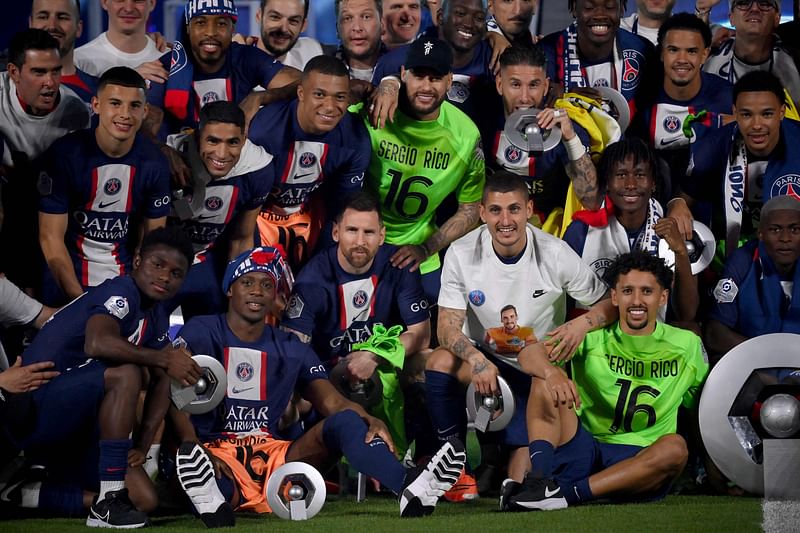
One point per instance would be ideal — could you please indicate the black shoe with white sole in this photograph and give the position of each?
(537, 494)
(196, 475)
(424, 486)
(507, 490)
(116, 511)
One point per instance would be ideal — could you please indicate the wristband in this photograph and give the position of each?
(575, 148)
(393, 78)
(674, 200)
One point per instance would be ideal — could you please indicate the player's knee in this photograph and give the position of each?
(143, 495)
(442, 360)
(672, 453)
(127, 376)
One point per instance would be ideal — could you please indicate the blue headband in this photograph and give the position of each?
(261, 259)
(197, 8)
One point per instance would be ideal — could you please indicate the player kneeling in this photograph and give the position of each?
(632, 376)
(264, 366)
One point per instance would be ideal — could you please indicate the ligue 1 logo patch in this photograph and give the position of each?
(726, 290)
(244, 371)
(307, 160)
(477, 298)
(213, 203)
(631, 66)
(112, 186)
(513, 154)
(787, 185)
(458, 93)
(360, 299)
(672, 123)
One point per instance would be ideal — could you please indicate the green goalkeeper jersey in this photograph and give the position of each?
(416, 164)
(631, 386)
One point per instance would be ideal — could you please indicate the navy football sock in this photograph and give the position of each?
(541, 454)
(345, 432)
(60, 499)
(578, 492)
(447, 405)
(113, 465)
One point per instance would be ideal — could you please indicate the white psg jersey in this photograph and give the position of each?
(31, 134)
(476, 280)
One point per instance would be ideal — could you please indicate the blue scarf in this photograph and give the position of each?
(763, 302)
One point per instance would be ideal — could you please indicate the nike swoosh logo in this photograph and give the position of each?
(536, 294)
(102, 517)
(301, 176)
(206, 217)
(548, 493)
(534, 455)
(101, 205)
(239, 391)
(4, 496)
(446, 430)
(665, 142)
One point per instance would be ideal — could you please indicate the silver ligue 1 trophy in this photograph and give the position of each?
(750, 416)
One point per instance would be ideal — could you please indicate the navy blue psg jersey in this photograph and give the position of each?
(262, 376)
(82, 84)
(303, 162)
(663, 123)
(629, 69)
(244, 188)
(471, 83)
(62, 338)
(101, 195)
(188, 89)
(544, 173)
(338, 309)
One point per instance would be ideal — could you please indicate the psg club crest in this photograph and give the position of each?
(209, 97)
(672, 123)
(600, 266)
(213, 203)
(360, 299)
(244, 371)
(788, 185)
(631, 65)
(513, 154)
(307, 160)
(112, 186)
(477, 298)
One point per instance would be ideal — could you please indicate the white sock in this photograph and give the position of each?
(30, 495)
(151, 464)
(109, 486)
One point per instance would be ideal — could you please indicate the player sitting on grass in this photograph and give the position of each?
(243, 440)
(630, 378)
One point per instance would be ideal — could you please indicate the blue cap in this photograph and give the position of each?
(261, 259)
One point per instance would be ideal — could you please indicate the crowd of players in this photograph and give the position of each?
(300, 206)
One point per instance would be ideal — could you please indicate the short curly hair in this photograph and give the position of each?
(642, 261)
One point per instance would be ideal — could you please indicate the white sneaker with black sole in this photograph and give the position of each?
(538, 494)
(116, 511)
(424, 486)
(196, 475)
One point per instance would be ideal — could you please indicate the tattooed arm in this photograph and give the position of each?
(464, 219)
(583, 174)
(451, 337)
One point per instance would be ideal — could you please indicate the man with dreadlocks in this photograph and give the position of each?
(595, 52)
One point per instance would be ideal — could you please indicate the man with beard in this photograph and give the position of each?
(504, 262)
(243, 441)
(419, 159)
(756, 294)
(610, 432)
(512, 18)
(35, 110)
(401, 19)
(348, 290)
(462, 27)
(93, 184)
(321, 152)
(101, 343)
(213, 68)
(755, 46)
(523, 84)
(595, 52)
(281, 23)
(62, 20)
(691, 102)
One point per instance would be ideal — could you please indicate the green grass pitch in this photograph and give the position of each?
(380, 513)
